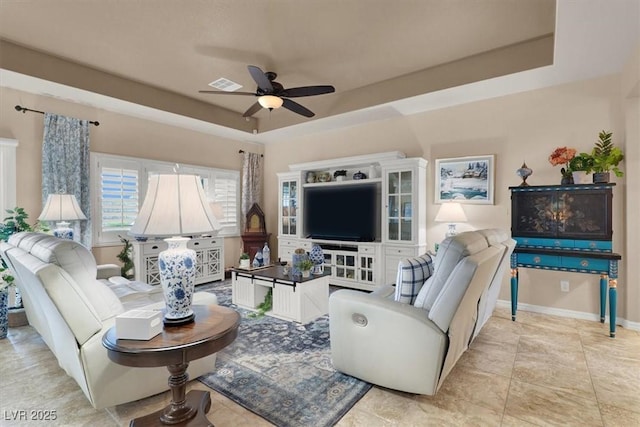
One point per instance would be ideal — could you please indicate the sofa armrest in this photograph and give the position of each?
(376, 338)
(108, 270)
(384, 291)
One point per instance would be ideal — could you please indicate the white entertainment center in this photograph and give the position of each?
(398, 218)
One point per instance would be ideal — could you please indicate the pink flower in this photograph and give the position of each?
(562, 155)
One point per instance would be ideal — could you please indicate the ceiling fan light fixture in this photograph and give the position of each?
(270, 101)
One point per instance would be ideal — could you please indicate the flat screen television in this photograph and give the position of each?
(348, 213)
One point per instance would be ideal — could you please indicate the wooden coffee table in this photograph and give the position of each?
(295, 298)
(215, 327)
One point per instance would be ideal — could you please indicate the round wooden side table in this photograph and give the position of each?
(214, 328)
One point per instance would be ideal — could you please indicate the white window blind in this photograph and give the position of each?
(120, 184)
(119, 198)
(225, 202)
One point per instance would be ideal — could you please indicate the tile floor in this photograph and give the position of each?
(538, 371)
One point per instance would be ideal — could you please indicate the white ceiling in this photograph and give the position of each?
(385, 58)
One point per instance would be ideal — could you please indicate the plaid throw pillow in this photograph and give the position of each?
(412, 273)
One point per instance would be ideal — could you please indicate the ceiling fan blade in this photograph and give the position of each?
(297, 108)
(221, 92)
(260, 78)
(307, 91)
(252, 110)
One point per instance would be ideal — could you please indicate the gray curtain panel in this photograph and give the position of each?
(65, 166)
(251, 183)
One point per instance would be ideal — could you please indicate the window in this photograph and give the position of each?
(118, 198)
(120, 184)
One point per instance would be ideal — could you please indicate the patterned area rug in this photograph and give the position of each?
(282, 370)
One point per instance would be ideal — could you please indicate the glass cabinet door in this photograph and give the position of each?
(400, 206)
(345, 265)
(289, 214)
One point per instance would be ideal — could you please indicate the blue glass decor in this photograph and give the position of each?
(258, 259)
(177, 267)
(316, 255)
(524, 172)
(298, 256)
(266, 254)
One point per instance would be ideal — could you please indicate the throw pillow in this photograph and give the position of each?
(412, 274)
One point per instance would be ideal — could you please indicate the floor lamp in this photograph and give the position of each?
(175, 205)
(62, 208)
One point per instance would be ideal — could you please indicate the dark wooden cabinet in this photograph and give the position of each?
(562, 212)
(565, 228)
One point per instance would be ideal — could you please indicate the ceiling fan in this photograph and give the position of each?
(272, 94)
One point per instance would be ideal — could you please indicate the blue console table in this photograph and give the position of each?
(565, 228)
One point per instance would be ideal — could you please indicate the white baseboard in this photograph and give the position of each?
(568, 313)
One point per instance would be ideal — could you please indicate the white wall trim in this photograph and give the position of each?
(568, 313)
(9, 173)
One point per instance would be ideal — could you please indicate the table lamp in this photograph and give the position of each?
(62, 208)
(175, 205)
(452, 213)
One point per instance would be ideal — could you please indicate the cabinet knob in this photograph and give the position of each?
(154, 247)
(536, 259)
(196, 243)
(584, 263)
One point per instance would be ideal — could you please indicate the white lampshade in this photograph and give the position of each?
(61, 207)
(451, 212)
(175, 205)
(270, 101)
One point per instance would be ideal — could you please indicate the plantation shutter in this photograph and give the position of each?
(119, 198)
(225, 202)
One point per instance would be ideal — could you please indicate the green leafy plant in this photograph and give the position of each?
(582, 162)
(6, 279)
(244, 255)
(15, 223)
(125, 257)
(606, 156)
(305, 265)
(264, 306)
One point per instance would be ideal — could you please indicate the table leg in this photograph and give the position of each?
(514, 293)
(185, 409)
(603, 296)
(613, 303)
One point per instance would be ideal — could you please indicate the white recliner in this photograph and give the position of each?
(409, 338)
(71, 308)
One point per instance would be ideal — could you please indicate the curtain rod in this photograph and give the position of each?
(242, 151)
(24, 110)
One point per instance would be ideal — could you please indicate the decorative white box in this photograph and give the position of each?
(138, 324)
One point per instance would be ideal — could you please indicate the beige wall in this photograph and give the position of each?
(523, 127)
(526, 126)
(117, 134)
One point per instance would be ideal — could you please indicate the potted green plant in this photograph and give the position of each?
(125, 257)
(305, 266)
(606, 158)
(244, 260)
(581, 167)
(16, 222)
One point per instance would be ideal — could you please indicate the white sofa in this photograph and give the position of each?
(72, 303)
(409, 338)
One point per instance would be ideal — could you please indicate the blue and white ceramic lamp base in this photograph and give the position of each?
(177, 265)
(63, 230)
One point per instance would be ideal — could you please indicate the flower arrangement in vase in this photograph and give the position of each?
(562, 156)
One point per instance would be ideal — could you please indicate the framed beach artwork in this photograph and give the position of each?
(465, 179)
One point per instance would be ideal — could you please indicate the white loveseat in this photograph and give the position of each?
(71, 303)
(409, 337)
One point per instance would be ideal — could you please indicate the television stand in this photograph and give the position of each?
(398, 215)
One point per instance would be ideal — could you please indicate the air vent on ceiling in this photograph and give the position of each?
(225, 85)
